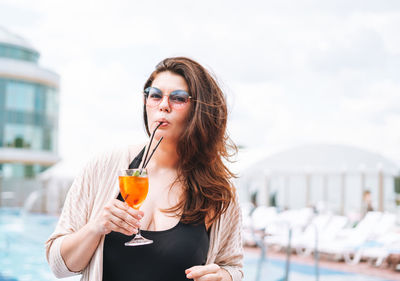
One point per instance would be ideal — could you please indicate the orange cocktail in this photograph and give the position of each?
(134, 186)
(134, 189)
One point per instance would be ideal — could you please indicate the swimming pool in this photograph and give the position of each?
(22, 254)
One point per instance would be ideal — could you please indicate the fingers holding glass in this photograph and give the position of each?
(118, 217)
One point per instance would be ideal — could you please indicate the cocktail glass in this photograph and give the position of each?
(134, 186)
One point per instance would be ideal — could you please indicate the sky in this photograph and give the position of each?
(294, 72)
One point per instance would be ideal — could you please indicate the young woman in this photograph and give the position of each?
(191, 211)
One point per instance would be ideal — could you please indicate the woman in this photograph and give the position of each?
(191, 211)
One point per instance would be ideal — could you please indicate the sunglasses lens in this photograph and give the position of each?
(179, 97)
(154, 96)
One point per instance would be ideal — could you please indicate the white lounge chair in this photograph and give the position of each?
(389, 244)
(262, 216)
(349, 240)
(295, 220)
(326, 233)
(379, 243)
(311, 233)
(255, 224)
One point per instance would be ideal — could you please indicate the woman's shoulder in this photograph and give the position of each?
(115, 155)
(233, 209)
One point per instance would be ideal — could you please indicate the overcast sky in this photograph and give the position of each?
(294, 72)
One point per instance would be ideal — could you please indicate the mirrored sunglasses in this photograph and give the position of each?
(177, 98)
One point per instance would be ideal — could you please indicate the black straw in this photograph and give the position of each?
(147, 152)
(145, 164)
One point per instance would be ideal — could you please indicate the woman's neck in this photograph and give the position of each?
(165, 155)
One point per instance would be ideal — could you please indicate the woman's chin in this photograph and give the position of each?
(159, 135)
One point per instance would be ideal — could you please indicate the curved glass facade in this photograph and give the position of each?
(13, 52)
(28, 116)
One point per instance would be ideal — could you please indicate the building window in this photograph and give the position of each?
(51, 102)
(50, 139)
(13, 52)
(40, 98)
(23, 136)
(14, 170)
(20, 96)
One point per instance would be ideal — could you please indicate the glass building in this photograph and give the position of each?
(28, 110)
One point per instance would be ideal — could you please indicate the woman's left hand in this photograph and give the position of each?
(209, 272)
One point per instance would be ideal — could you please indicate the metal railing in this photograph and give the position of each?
(261, 244)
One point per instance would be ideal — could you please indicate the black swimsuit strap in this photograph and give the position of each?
(138, 159)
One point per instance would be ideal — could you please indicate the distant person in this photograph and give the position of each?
(253, 198)
(191, 211)
(253, 201)
(272, 199)
(367, 203)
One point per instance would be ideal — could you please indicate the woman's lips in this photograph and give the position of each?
(163, 123)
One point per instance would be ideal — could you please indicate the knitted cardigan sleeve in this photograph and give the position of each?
(74, 216)
(230, 254)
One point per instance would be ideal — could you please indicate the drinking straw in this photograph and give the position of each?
(151, 140)
(148, 160)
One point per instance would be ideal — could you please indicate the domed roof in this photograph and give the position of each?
(7, 37)
(325, 158)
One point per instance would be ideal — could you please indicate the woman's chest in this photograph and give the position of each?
(158, 200)
(156, 220)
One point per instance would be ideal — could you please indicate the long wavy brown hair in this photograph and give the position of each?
(203, 145)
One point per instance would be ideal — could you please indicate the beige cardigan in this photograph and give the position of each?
(93, 188)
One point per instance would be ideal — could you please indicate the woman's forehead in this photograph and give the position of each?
(167, 82)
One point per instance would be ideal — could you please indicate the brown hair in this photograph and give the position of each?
(202, 146)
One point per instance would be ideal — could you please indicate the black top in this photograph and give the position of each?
(172, 251)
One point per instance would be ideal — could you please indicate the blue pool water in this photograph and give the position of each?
(22, 254)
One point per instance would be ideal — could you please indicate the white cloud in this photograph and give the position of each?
(99, 114)
(379, 98)
(294, 71)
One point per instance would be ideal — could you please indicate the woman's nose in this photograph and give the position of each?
(164, 104)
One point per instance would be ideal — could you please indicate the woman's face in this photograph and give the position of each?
(174, 119)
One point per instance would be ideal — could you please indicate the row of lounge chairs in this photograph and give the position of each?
(373, 238)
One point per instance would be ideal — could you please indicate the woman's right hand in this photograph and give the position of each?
(119, 217)
(78, 247)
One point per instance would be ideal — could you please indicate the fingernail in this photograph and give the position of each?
(189, 275)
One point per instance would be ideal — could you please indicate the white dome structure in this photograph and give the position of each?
(326, 158)
(310, 174)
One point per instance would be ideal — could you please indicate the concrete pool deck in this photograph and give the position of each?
(361, 268)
